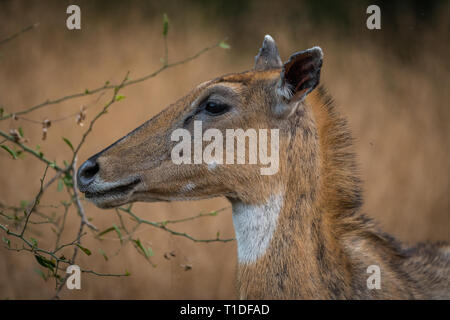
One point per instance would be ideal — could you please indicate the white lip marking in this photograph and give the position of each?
(98, 185)
(188, 187)
(254, 226)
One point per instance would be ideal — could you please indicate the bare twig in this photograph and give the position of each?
(110, 86)
(61, 118)
(31, 151)
(19, 33)
(102, 112)
(35, 202)
(200, 215)
(162, 226)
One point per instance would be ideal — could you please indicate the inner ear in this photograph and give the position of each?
(300, 74)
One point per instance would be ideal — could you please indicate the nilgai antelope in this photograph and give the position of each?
(300, 232)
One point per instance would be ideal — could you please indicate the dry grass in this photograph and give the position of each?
(398, 113)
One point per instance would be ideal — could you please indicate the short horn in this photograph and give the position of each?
(268, 56)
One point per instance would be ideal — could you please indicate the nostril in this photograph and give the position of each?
(87, 173)
(90, 172)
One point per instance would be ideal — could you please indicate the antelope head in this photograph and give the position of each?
(141, 167)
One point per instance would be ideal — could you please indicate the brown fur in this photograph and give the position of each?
(325, 244)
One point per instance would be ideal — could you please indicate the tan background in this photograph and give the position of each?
(391, 84)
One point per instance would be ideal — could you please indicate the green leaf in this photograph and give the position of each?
(7, 241)
(11, 152)
(1, 112)
(40, 273)
(165, 24)
(85, 250)
(69, 143)
(38, 150)
(103, 253)
(86, 91)
(34, 242)
(138, 243)
(21, 131)
(45, 262)
(224, 45)
(60, 185)
(105, 231)
(127, 274)
(20, 154)
(23, 204)
(119, 234)
(120, 97)
(67, 179)
(147, 252)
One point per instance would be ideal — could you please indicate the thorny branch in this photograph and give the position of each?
(53, 260)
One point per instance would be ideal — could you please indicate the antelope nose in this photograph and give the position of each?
(86, 173)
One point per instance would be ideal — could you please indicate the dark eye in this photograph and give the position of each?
(216, 108)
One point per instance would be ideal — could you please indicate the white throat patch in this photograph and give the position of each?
(254, 226)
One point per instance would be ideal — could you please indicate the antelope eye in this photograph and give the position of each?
(215, 108)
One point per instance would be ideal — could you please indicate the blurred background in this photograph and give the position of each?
(391, 84)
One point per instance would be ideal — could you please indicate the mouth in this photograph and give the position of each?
(113, 196)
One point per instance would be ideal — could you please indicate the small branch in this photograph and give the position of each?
(31, 151)
(176, 233)
(53, 179)
(37, 122)
(2, 42)
(35, 203)
(106, 274)
(200, 215)
(73, 243)
(108, 86)
(62, 226)
(31, 246)
(104, 110)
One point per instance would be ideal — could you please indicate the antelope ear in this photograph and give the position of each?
(268, 56)
(299, 76)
